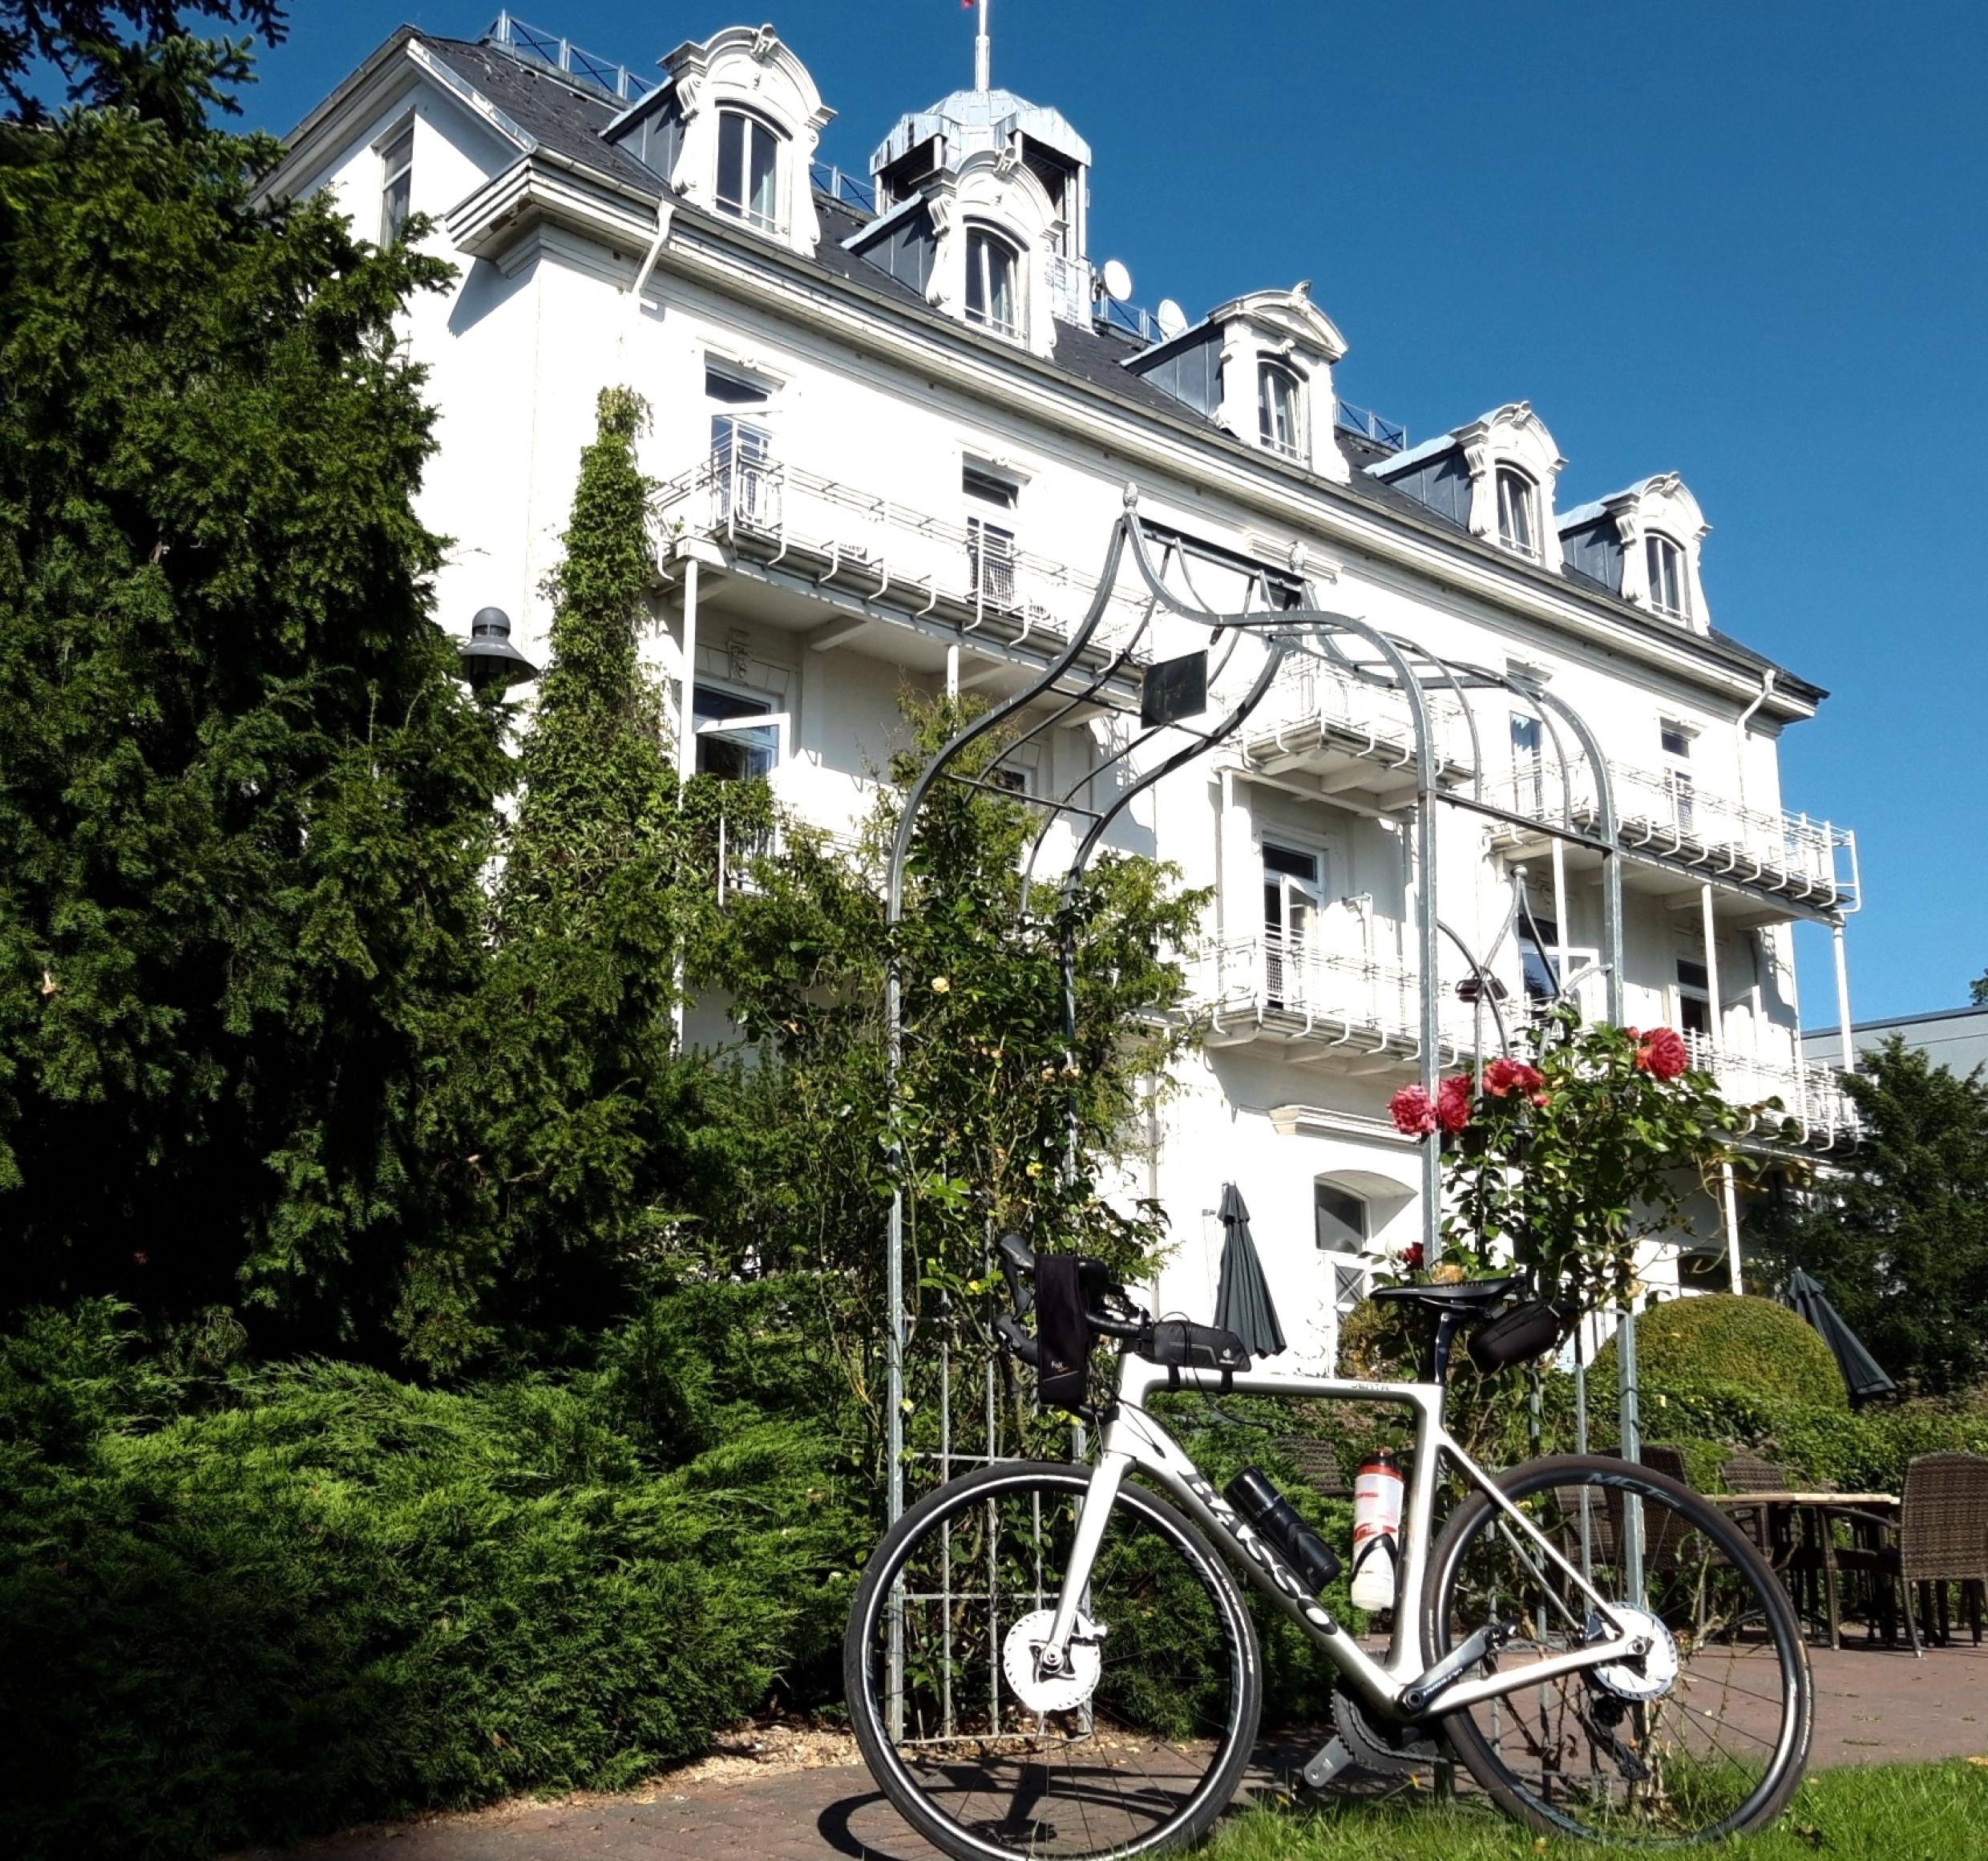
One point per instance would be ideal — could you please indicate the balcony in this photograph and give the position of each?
(1322, 1005)
(1681, 835)
(825, 541)
(1348, 740)
(1812, 1098)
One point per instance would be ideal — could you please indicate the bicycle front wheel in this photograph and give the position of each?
(1704, 1736)
(1138, 1747)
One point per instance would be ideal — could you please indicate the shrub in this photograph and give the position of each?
(338, 1596)
(1723, 1340)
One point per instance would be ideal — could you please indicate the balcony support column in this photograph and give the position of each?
(1715, 1027)
(1843, 998)
(687, 698)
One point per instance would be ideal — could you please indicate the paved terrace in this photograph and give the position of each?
(808, 1798)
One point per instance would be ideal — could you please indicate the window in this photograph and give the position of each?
(1529, 768)
(990, 488)
(1291, 893)
(1694, 1001)
(993, 282)
(1518, 505)
(748, 170)
(1340, 1219)
(1539, 957)
(742, 451)
(733, 741)
(1670, 592)
(1277, 409)
(1676, 741)
(1674, 738)
(397, 184)
(991, 563)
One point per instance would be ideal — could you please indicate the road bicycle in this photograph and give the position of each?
(1051, 1659)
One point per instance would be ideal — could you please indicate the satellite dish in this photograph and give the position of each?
(1171, 318)
(1117, 280)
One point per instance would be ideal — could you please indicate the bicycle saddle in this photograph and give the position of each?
(1466, 1299)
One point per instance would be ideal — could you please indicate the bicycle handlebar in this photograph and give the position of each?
(1018, 1264)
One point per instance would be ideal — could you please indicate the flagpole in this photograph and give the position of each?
(983, 54)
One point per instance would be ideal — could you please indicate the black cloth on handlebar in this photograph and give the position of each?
(1062, 1338)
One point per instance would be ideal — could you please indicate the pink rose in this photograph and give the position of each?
(1662, 1053)
(1502, 1077)
(1413, 1113)
(1452, 1102)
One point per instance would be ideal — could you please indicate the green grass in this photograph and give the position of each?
(1916, 1812)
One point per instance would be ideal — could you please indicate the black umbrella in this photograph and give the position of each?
(1801, 1293)
(1242, 1302)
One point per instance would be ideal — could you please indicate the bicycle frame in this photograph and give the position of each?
(1398, 1685)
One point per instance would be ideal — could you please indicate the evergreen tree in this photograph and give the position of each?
(243, 803)
(1900, 1240)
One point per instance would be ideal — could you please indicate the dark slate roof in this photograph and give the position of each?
(567, 120)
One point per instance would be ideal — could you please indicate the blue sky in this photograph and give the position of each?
(1746, 243)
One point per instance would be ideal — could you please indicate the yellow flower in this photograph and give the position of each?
(940, 985)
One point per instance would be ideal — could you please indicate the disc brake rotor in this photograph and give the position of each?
(1072, 1684)
(1649, 1677)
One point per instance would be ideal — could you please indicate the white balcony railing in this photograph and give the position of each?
(1812, 1098)
(1668, 814)
(1317, 712)
(1268, 983)
(886, 552)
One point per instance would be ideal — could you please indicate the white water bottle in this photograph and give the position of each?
(1377, 1490)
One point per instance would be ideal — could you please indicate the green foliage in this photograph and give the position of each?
(1756, 1344)
(1898, 1235)
(164, 75)
(245, 804)
(331, 1595)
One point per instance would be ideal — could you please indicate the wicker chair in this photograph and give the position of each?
(1941, 1537)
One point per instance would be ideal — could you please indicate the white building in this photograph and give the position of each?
(897, 421)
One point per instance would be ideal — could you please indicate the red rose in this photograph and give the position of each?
(1502, 1077)
(1411, 1257)
(1662, 1053)
(1452, 1102)
(1413, 1113)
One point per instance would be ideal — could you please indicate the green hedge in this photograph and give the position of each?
(1727, 1341)
(332, 1596)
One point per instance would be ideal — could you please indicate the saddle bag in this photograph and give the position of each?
(1527, 1329)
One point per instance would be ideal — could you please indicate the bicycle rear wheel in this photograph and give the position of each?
(1139, 1752)
(1704, 1737)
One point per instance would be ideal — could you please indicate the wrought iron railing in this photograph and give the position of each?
(1811, 1097)
(1669, 813)
(831, 532)
(530, 45)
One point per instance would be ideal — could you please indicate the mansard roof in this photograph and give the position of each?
(543, 111)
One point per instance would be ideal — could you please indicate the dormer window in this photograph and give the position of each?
(1279, 409)
(1669, 587)
(748, 170)
(993, 282)
(1519, 512)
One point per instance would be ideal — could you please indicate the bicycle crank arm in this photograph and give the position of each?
(1444, 1689)
(1460, 1660)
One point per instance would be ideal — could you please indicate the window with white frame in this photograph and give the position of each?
(1529, 768)
(990, 539)
(993, 282)
(741, 447)
(748, 169)
(1694, 998)
(1518, 512)
(1675, 740)
(1280, 410)
(1293, 894)
(397, 184)
(1539, 957)
(739, 735)
(1340, 1219)
(1669, 583)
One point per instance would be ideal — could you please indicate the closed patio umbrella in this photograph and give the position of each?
(1242, 1302)
(1801, 1293)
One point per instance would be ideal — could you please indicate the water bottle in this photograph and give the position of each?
(1377, 1490)
(1274, 1518)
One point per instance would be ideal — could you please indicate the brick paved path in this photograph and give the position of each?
(1871, 1706)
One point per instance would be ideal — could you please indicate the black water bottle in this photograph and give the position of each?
(1272, 1514)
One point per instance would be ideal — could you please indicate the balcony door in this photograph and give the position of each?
(1293, 893)
(742, 450)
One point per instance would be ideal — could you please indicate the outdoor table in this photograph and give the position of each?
(1812, 1512)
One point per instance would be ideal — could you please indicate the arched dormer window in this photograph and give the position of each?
(994, 296)
(1518, 512)
(1280, 409)
(1669, 576)
(750, 151)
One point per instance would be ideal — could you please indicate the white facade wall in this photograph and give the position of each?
(890, 412)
